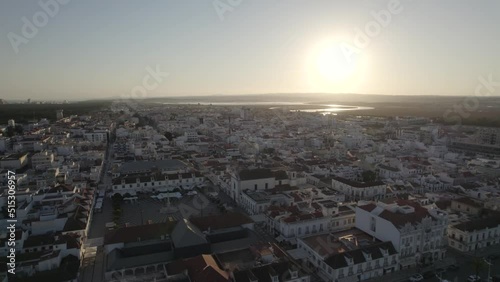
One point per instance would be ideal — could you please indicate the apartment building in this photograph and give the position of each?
(251, 179)
(355, 190)
(349, 255)
(294, 222)
(42, 160)
(417, 233)
(474, 234)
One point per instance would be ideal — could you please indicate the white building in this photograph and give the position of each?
(156, 183)
(475, 234)
(42, 160)
(350, 255)
(96, 136)
(255, 179)
(355, 190)
(257, 202)
(291, 223)
(418, 234)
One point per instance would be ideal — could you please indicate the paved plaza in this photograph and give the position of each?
(147, 209)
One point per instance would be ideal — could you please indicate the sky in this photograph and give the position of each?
(152, 48)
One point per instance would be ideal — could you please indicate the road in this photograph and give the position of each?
(463, 261)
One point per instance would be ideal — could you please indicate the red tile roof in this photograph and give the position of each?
(368, 207)
(400, 219)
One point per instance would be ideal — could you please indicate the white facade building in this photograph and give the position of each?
(42, 160)
(359, 190)
(418, 234)
(349, 256)
(255, 179)
(476, 234)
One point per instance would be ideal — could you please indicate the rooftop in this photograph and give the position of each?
(258, 173)
(227, 220)
(357, 184)
(169, 164)
(479, 224)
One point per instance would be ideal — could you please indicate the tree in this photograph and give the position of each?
(478, 264)
(268, 151)
(11, 131)
(369, 176)
(169, 136)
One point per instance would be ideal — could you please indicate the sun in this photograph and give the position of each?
(330, 69)
(331, 64)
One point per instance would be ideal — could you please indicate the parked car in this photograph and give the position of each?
(416, 277)
(473, 278)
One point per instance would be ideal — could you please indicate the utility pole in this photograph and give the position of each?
(489, 269)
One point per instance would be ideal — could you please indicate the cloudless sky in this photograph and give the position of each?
(98, 48)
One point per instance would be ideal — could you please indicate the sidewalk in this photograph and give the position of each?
(495, 249)
(405, 274)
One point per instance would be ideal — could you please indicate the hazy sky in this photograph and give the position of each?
(91, 48)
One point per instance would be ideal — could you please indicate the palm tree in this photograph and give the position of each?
(478, 264)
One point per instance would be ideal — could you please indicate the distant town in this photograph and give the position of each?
(220, 193)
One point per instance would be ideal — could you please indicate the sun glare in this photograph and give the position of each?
(331, 64)
(330, 70)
